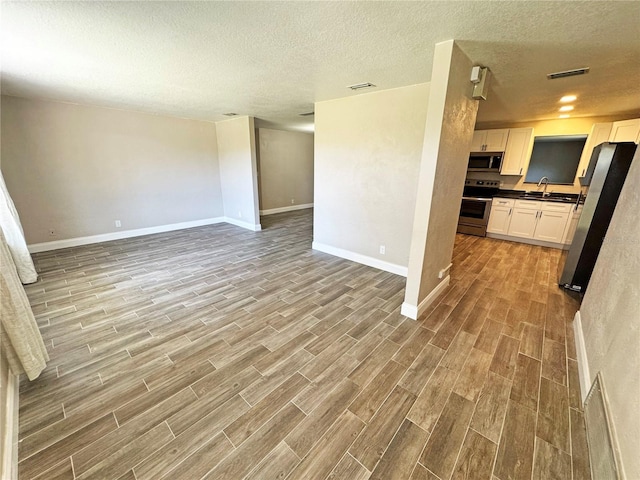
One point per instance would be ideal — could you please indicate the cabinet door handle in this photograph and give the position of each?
(510, 211)
(520, 171)
(583, 172)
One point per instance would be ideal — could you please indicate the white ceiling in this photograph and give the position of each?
(273, 60)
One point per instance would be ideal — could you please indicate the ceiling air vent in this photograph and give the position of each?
(308, 114)
(568, 73)
(230, 114)
(358, 86)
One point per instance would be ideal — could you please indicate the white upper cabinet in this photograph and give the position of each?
(518, 151)
(625, 131)
(490, 140)
(600, 133)
(479, 137)
(497, 140)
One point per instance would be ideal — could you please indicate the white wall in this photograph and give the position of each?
(285, 166)
(367, 157)
(238, 171)
(449, 129)
(610, 314)
(76, 169)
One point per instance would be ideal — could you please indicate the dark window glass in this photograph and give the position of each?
(556, 158)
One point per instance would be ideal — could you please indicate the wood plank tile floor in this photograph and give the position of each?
(219, 353)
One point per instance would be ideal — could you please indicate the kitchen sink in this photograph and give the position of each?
(552, 198)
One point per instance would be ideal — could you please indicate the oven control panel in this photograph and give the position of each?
(482, 183)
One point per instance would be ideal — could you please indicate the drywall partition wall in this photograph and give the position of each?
(9, 388)
(74, 170)
(366, 162)
(610, 317)
(285, 166)
(449, 129)
(238, 171)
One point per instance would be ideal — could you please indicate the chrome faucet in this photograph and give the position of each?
(546, 184)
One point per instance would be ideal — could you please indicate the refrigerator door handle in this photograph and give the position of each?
(575, 208)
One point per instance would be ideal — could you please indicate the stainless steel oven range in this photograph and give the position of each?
(476, 206)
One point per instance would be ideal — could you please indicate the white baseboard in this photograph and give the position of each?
(359, 258)
(239, 223)
(292, 208)
(106, 237)
(413, 311)
(529, 241)
(581, 353)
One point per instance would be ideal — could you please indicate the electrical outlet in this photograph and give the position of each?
(118, 223)
(293, 201)
(382, 249)
(52, 232)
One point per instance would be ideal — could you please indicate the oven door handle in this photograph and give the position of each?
(477, 199)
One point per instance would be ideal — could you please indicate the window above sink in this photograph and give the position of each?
(555, 157)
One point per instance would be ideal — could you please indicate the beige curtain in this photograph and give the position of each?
(14, 236)
(20, 339)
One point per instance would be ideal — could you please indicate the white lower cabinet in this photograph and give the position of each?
(523, 223)
(530, 219)
(550, 226)
(500, 215)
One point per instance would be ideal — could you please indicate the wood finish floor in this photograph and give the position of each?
(220, 353)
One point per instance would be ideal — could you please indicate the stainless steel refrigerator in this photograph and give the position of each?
(608, 168)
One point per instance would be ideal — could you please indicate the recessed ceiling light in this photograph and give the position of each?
(568, 98)
(566, 108)
(358, 86)
(564, 115)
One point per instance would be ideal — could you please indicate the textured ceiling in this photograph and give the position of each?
(273, 60)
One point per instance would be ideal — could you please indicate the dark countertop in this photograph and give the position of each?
(553, 197)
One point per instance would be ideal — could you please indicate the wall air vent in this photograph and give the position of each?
(568, 73)
(308, 114)
(230, 114)
(358, 86)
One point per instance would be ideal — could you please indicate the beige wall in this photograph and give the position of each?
(568, 126)
(76, 169)
(449, 129)
(238, 171)
(285, 165)
(367, 157)
(610, 314)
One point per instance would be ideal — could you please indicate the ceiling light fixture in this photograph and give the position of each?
(358, 86)
(566, 108)
(564, 115)
(568, 98)
(568, 73)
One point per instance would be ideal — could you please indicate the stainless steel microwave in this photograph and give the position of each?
(485, 162)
